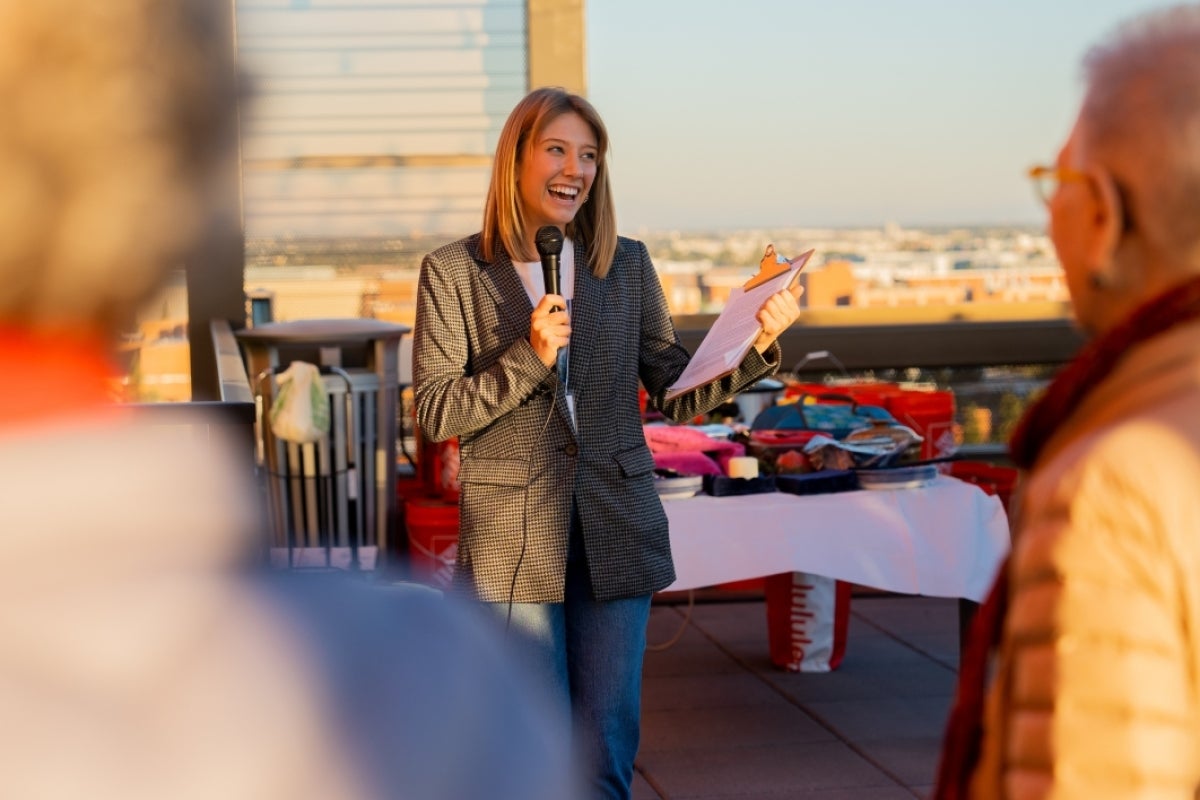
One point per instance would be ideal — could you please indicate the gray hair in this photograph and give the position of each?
(112, 111)
(1141, 116)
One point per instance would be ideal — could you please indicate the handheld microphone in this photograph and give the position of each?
(549, 241)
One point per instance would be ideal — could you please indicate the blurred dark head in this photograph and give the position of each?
(114, 114)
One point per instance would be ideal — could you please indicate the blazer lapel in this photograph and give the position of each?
(501, 281)
(586, 310)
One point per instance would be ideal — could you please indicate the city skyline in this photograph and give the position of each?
(887, 267)
(793, 113)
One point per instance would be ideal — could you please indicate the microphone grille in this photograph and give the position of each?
(549, 240)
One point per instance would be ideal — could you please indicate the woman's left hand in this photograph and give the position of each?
(777, 315)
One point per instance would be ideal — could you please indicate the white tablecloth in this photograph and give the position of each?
(942, 540)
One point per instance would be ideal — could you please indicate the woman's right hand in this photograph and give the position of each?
(549, 328)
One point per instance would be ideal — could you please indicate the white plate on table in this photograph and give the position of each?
(912, 477)
(679, 487)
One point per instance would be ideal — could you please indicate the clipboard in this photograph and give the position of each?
(730, 338)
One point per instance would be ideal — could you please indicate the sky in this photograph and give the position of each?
(798, 113)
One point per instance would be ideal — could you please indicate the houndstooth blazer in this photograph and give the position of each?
(476, 376)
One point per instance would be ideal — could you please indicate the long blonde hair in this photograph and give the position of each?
(504, 223)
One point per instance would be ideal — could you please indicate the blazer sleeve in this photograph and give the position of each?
(457, 389)
(663, 357)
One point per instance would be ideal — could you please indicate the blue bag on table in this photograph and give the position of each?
(832, 414)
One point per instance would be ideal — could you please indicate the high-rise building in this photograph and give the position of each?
(379, 119)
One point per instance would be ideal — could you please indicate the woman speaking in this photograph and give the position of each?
(561, 528)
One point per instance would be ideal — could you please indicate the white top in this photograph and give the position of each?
(530, 273)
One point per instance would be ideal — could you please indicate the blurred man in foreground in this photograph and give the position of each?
(137, 659)
(1096, 617)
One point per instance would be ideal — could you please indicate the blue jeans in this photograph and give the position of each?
(590, 653)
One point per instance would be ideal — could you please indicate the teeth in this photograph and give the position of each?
(569, 191)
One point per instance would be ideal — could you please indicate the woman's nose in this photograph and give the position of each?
(571, 164)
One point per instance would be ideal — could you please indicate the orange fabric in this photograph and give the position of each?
(51, 375)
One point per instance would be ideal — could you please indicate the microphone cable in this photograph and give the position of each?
(549, 244)
(512, 586)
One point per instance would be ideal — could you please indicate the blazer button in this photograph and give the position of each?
(571, 449)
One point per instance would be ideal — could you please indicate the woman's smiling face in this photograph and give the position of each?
(556, 171)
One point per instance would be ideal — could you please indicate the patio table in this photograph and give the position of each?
(945, 539)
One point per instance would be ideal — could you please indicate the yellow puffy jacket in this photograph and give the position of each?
(1097, 685)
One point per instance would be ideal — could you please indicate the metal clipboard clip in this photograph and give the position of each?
(772, 266)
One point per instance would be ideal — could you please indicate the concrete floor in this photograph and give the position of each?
(719, 721)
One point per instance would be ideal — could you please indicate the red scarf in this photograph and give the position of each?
(50, 375)
(963, 742)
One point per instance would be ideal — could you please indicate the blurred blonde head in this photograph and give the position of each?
(112, 112)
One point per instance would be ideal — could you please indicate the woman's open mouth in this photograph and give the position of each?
(566, 193)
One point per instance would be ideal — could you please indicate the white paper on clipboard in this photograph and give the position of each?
(732, 335)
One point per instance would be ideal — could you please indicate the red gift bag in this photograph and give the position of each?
(432, 526)
(807, 620)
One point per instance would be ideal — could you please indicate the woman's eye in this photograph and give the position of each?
(588, 156)
(554, 148)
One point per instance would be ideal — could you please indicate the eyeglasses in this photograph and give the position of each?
(1046, 180)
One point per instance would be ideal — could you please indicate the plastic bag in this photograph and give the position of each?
(300, 412)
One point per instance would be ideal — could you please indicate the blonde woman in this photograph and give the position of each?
(562, 531)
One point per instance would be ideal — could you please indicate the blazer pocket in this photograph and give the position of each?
(637, 461)
(494, 472)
